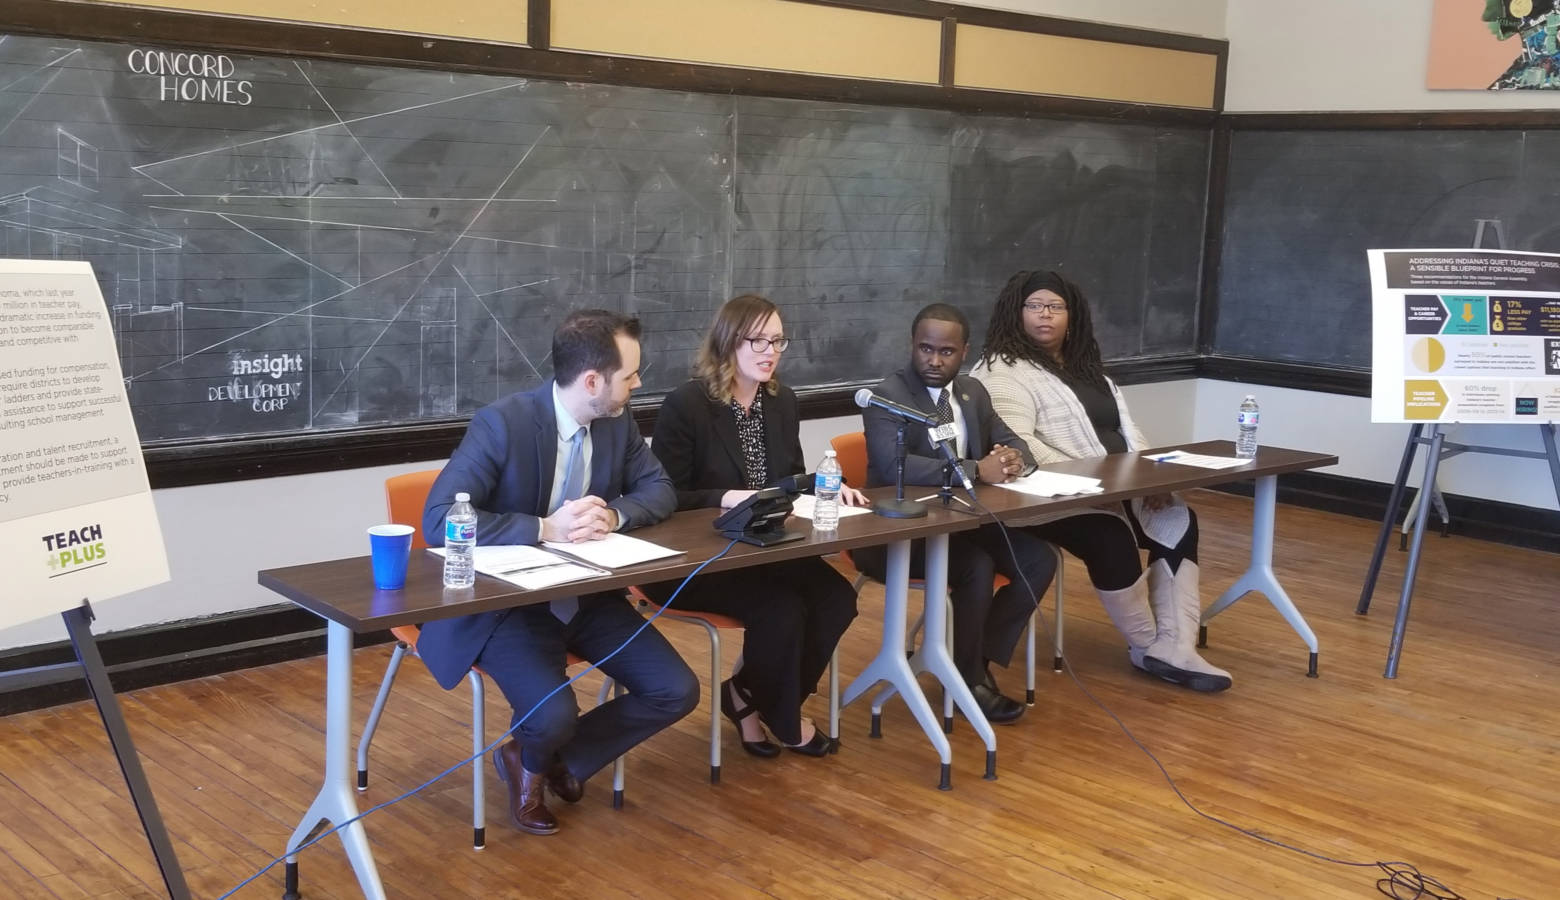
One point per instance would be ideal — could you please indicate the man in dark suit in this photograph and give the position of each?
(986, 627)
(564, 462)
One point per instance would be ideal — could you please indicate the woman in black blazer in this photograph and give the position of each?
(731, 430)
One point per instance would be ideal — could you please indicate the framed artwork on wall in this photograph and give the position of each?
(1494, 45)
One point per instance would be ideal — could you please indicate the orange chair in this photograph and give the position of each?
(851, 450)
(712, 624)
(405, 497)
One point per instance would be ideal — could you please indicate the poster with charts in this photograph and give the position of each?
(1465, 336)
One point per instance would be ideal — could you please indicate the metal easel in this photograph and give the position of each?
(1440, 449)
(1498, 242)
(78, 624)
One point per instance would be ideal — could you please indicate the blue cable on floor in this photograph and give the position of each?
(471, 759)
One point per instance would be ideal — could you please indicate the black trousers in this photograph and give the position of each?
(1109, 547)
(525, 657)
(986, 625)
(793, 613)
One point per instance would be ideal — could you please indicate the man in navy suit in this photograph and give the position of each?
(564, 462)
(986, 627)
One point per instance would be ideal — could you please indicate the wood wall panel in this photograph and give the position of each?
(492, 21)
(755, 34)
(997, 59)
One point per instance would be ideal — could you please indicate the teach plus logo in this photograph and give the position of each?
(74, 550)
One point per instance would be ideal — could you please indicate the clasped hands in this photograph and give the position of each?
(1001, 464)
(585, 519)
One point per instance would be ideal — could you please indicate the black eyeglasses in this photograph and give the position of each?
(1054, 309)
(762, 345)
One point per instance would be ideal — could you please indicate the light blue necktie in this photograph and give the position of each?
(573, 489)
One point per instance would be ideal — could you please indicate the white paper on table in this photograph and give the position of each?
(527, 566)
(614, 551)
(1202, 461)
(802, 507)
(1041, 483)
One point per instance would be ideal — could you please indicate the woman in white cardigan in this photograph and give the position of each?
(1042, 367)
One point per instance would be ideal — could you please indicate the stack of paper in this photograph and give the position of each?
(1181, 457)
(528, 567)
(614, 551)
(1041, 483)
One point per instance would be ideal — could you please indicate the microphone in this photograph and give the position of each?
(940, 433)
(796, 484)
(865, 398)
(953, 461)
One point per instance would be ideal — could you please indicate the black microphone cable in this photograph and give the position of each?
(1400, 881)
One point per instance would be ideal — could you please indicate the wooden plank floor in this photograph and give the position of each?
(1454, 766)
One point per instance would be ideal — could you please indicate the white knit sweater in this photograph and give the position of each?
(1044, 411)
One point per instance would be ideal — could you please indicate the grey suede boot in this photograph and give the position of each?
(1128, 608)
(1177, 607)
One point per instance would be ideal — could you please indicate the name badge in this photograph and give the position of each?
(944, 432)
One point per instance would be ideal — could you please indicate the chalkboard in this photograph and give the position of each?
(1118, 208)
(1302, 207)
(291, 246)
(847, 207)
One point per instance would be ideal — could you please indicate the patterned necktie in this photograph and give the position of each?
(945, 412)
(564, 608)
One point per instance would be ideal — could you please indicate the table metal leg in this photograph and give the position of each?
(1259, 575)
(890, 664)
(337, 802)
(934, 654)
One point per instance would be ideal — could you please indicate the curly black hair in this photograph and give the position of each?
(1007, 340)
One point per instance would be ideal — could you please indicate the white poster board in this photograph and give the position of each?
(76, 515)
(1465, 336)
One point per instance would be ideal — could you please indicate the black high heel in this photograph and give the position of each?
(818, 746)
(766, 748)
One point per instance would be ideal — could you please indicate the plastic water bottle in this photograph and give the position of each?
(826, 493)
(1246, 441)
(460, 543)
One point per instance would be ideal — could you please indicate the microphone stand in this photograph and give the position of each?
(946, 494)
(899, 507)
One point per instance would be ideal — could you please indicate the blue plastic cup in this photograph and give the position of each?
(390, 547)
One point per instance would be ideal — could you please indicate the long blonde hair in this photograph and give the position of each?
(716, 363)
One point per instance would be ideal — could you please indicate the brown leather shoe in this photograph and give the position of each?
(527, 792)
(564, 784)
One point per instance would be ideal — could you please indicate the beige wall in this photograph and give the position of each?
(1346, 55)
